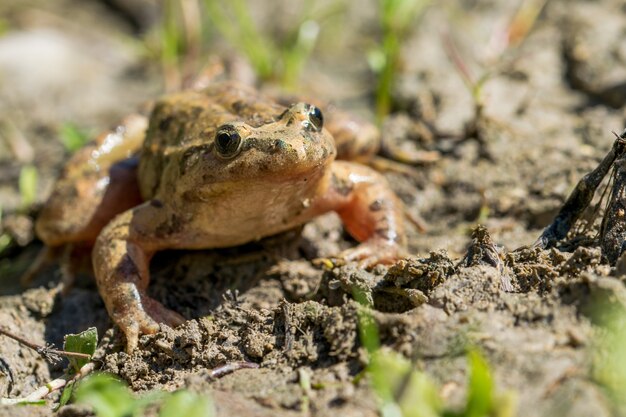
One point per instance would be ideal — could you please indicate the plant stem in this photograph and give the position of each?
(46, 351)
(54, 385)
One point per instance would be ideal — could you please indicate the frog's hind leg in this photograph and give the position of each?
(355, 138)
(99, 182)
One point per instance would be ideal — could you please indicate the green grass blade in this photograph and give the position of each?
(480, 389)
(72, 137)
(28, 180)
(185, 403)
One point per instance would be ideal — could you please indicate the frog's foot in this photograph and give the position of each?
(373, 252)
(370, 212)
(142, 316)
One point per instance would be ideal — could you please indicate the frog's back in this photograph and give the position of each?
(189, 119)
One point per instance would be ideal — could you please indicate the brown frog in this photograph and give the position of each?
(213, 168)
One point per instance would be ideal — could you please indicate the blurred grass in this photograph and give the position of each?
(72, 137)
(188, 30)
(181, 36)
(27, 182)
(233, 21)
(110, 397)
(274, 58)
(4, 26)
(396, 20)
(504, 43)
(5, 239)
(608, 350)
(189, 27)
(405, 391)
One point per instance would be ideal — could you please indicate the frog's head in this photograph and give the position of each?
(294, 144)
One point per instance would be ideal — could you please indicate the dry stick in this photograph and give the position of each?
(48, 352)
(231, 367)
(41, 392)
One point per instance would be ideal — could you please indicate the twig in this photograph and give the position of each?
(231, 367)
(47, 352)
(55, 385)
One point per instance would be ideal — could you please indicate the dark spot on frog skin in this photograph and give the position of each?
(376, 205)
(280, 116)
(309, 137)
(170, 227)
(266, 146)
(192, 155)
(165, 123)
(325, 153)
(180, 135)
(126, 267)
(196, 112)
(156, 203)
(238, 106)
(341, 186)
(264, 166)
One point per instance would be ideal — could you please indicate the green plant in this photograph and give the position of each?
(28, 181)
(404, 391)
(84, 342)
(110, 397)
(5, 239)
(78, 348)
(396, 19)
(181, 41)
(609, 350)
(272, 57)
(5, 26)
(72, 137)
(503, 44)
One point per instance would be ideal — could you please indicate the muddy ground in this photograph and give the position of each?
(549, 108)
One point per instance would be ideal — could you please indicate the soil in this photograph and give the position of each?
(549, 108)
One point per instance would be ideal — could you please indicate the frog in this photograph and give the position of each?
(210, 168)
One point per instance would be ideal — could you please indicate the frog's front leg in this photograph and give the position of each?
(121, 258)
(369, 210)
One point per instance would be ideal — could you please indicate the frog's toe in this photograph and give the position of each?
(145, 319)
(135, 325)
(131, 331)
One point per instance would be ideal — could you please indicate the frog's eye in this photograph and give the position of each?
(227, 142)
(316, 117)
